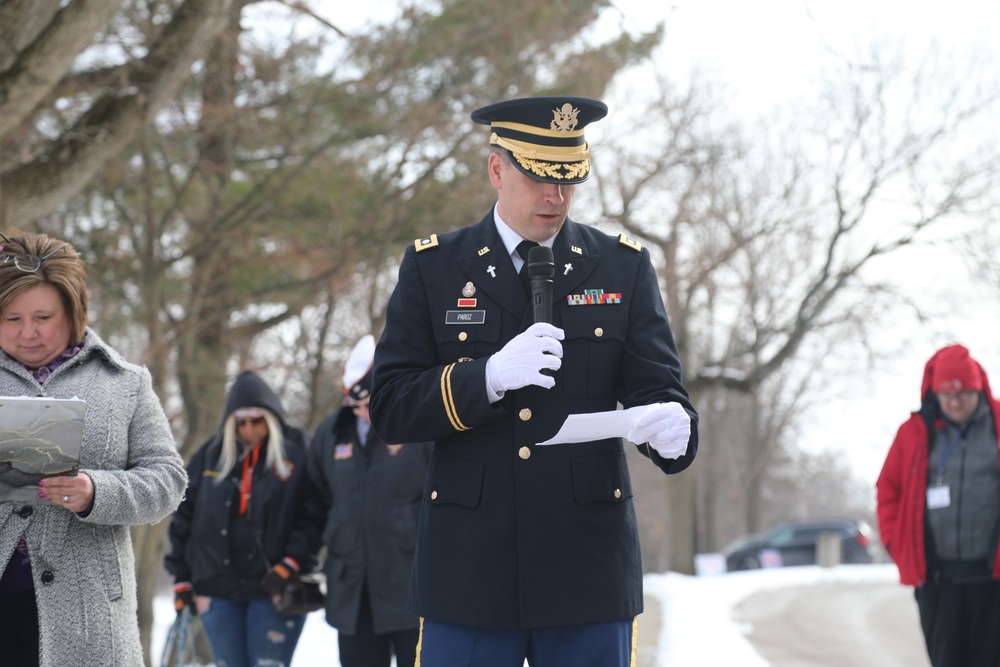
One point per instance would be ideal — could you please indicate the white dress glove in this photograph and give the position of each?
(520, 362)
(666, 427)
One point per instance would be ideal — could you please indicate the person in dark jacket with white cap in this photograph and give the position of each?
(372, 490)
(249, 524)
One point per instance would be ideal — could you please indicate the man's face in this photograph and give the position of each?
(361, 410)
(533, 209)
(958, 406)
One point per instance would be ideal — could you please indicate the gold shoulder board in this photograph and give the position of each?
(426, 242)
(626, 241)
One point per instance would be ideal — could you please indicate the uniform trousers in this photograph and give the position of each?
(960, 622)
(595, 645)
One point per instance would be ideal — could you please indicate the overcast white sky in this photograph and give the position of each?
(768, 49)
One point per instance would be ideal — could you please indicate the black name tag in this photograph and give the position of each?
(465, 317)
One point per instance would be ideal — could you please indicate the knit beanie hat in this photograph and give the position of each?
(955, 370)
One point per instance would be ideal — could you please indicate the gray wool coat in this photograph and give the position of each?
(84, 567)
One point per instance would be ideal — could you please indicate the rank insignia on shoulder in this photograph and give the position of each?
(626, 241)
(426, 242)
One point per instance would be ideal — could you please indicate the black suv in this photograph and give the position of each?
(795, 544)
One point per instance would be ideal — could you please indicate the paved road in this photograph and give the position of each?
(836, 625)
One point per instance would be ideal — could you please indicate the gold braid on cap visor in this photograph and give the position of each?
(562, 166)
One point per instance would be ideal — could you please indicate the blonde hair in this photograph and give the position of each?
(230, 446)
(62, 269)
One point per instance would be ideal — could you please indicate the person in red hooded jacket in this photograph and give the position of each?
(938, 505)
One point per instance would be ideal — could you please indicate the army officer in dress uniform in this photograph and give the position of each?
(529, 551)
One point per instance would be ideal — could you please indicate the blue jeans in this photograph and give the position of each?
(247, 633)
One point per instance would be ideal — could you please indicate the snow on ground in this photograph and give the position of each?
(696, 613)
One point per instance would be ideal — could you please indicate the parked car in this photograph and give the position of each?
(795, 544)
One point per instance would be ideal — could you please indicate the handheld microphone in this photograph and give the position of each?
(541, 270)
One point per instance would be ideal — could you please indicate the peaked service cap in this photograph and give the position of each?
(544, 135)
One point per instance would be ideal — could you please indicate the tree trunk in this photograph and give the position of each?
(683, 521)
(148, 543)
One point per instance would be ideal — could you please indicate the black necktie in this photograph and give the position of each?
(522, 249)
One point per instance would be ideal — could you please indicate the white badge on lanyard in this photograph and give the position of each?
(938, 497)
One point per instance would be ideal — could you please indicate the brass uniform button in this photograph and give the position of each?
(598, 332)
(463, 336)
(524, 453)
(434, 495)
(618, 494)
(524, 414)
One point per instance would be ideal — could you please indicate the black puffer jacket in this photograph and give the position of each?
(212, 544)
(373, 494)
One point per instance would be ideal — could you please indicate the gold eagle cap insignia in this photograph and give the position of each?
(564, 119)
(426, 243)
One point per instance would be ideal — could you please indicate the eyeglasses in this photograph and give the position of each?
(250, 420)
(949, 396)
(24, 262)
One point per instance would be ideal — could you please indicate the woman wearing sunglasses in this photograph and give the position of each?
(68, 588)
(249, 524)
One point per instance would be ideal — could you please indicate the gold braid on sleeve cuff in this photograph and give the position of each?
(448, 398)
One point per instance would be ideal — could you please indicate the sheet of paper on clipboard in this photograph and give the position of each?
(39, 437)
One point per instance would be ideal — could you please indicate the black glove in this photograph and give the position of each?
(184, 597)
(278, 578)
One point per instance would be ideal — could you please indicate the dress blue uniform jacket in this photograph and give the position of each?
(512, 534)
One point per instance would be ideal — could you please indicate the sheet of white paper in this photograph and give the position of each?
(39, 437)
(596, 426)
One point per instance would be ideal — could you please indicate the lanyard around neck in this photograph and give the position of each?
(246, 480)
(947, 446)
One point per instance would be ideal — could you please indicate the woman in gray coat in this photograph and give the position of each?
(68, 589)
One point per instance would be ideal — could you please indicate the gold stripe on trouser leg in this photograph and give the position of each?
(420, 642)
(635, 640)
